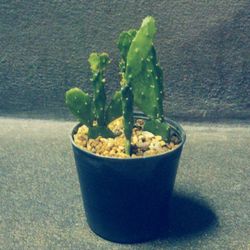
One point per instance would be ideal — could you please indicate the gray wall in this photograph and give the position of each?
(203, 47)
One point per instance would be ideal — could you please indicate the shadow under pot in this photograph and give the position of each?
(127, 200)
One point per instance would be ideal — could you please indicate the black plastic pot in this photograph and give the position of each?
(127, 200)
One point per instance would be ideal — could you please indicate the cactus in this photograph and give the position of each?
(147, 88)
(79, 104)
(147, 74)
(146, 77)
(159, 128)
(128, 118)
(140, 71)
(98, 63)
(135, 47)
(124, 42)
(140, 46)
(88, 109)
(141, 83)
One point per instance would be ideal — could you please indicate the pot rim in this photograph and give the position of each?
(175, 125)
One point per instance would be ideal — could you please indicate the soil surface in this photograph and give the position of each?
(143, 143)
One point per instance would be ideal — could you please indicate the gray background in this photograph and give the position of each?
(203, 47)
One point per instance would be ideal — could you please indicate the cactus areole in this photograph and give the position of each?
(141, 85)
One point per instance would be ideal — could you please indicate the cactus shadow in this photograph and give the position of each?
(188, 217)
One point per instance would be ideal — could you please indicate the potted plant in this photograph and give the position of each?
(126, 161)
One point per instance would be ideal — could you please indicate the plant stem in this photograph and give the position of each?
(127, 147)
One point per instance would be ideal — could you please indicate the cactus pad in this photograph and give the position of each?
(79, 104)
(148, 88)
(128, 118)
(140, 47)
(143, 69)
(124, 42)
(158, 128)
(98, 63)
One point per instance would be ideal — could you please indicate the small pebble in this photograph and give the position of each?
(144, 143)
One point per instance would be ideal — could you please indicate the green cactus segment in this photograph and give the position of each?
(142, 68)
(140, 47)
(94, 132)
(79, 104)
(124, 42)
(128, 118)
(99, 100)
(134, 47)
(148, 88)
(159, 87)
(98, 63)
(114, 110)
(158, 128)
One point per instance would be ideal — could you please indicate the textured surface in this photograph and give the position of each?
(41, 206)
(203, 47)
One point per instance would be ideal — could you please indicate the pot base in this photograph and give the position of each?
(127, 230)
